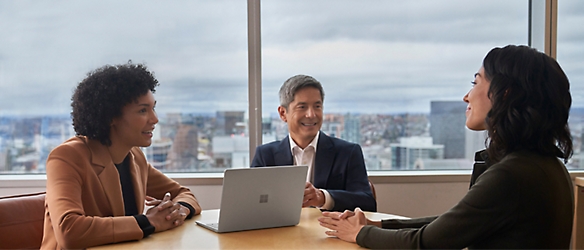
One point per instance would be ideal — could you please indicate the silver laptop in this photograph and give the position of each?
(255, 198)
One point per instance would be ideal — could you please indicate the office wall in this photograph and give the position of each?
(407, 199)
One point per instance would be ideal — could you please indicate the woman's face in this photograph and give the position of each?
(478, 101)
(134, 127)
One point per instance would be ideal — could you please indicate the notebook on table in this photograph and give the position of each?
(256, 198)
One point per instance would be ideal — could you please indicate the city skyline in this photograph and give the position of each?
(193, 143)
(221, 141)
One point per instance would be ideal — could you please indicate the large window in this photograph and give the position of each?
(394, 72)
(570, 38)
(197, 49)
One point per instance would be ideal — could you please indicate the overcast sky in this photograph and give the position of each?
(371, 56)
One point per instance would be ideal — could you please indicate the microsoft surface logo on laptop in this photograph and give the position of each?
(263, 198)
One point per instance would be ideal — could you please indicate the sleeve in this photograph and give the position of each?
(72, 227)
(357, 192)
(144, 223)
(329, 202)
(484, 210)
(191, 209)
(407, 223)
(377, 238)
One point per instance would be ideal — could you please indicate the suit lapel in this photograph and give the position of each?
(283, 154)
(108, 176)
(323, 162)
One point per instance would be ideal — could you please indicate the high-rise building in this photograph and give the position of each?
(231, 151)
(332, 125)
(158, 153)
(352, 129)
(410, 152)
(185, 147)
(266, 125)
(229, 122)
(475, 141)
(447, 127)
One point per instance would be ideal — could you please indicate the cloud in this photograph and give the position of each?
(374, 56)
(443, 21)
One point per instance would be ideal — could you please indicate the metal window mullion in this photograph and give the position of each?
(551, 27)
(254, 76)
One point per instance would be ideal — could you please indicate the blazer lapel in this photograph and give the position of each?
(108, 176)
(323, 162)
(283, 154)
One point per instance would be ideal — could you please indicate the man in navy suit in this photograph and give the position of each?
(337, 178)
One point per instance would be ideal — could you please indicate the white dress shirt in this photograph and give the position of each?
(305, 157)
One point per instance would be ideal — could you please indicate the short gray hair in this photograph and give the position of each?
(295, 83)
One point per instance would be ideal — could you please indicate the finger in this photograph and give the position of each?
(346, 214)
(166, 197)
(165, 203)
(310, 194)
(359, 212)
(307, 198)
(309, 203)
(309, 188)
(177, 211)
(174, 214)
(181, 219)
(328, 221)
(331, 233)
(327, 225)
(152, 203)
(331, 214)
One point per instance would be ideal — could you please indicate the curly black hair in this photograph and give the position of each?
(531, 101)
(100, 97)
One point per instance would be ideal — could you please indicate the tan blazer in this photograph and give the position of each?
(84, 205)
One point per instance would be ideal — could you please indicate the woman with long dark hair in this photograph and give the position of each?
(520, 195)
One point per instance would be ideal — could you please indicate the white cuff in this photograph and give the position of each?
(329, 203)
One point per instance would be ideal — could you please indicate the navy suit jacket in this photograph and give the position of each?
(338, 167)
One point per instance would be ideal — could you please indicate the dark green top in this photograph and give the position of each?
(523, 201)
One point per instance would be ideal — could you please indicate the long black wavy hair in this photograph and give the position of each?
(531, 101)
(100, 97)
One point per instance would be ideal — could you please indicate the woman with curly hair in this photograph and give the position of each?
(520, 195)
(99, 181)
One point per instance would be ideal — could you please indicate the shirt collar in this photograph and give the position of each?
(313, 143)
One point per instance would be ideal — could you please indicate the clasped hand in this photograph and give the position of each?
(165, 214)
(345, 225)
(312, 196)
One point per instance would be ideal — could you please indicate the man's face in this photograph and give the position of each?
(303, 115)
